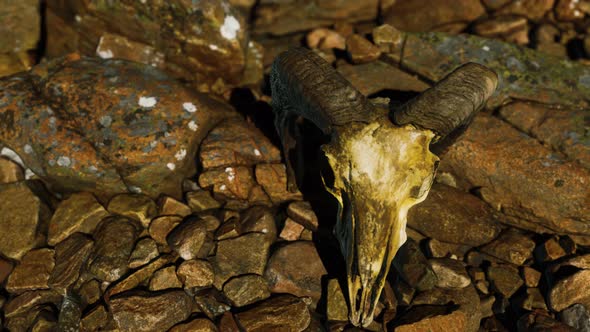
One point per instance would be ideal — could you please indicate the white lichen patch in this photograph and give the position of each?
(10, 154)
(105, 54)
(193, 126)
(213, 47)
(180, 154)
(230, 27)
(189, 107)
(147, 101)
(28, 149)
(171, 166)
(64, 161)
(257, 153)
(486, 48)
(231, 174)
(134, 189)
(153, 144)
(29, 174)
(105, 121)
(222, 187)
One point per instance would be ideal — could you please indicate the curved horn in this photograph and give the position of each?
(305, 84)
(452, 102)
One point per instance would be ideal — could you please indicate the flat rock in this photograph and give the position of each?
(95, 319)
(245, 254)
(23, 214)
(195, 325)
(450, 273)
(511, 246)
(571, 290)
(336, 305)
(237, 143)
(549, 250)
(195, 273)
(439, 249)
(450, 215)
(20, 28)
(27, 300)
(302, 213)
(281, 18)
(531, 9)
(535, 188)
(273, 179)
(203, 50)
(246, 289)
(211, 302)
(201, 200)
(70, 256)
(360, 50)
(161, 226)
(376, 76)
(540, 320)
(297, 269)
(90, 291)
(413, 267)
(134, 206)
(137, 140)
(144, 311)
(577, 316)
(80, 212)
(282, 312)
(229, 182)
(531, 276)
(190, 239)
(424, 15)
(10, 171)
(33, 272)
(170, 206)
(145, 250)
(165, 278)
(259, 219)
(114, 241)
(505, 279)
(291, 230)
(533, 300)
(454, 321)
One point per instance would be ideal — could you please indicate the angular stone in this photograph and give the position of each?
(568, 10)
(562, 129)
(95, 319)
(281, 18)
(70, 314)
(505, 279)
(10, 171)
(511, 246)
(549, 250)
(230, 182)
(27, 300)
(413, 267)
(454, 321)
(20, 26)
(376, 76)
(336, 307)
(450, 273)
(133, 206)
(571, 290)
(577, 316)
(531, 9)
(325, 39)
(138, 277)
(535, 188)
(211, 302)
(160, 227)
(81, 212)
(246, 289)
(512, 29)
(70, 256)
(118, 46)
(228, 230)
(246, 254)
(291, 230)
(195, 325)
(164, 278)
(201, 200)
(190, 239)
(360, 50)
(144, 311)
(273, 179)
(423, 15)
(282, 312)
(387, 38)
(438, 249)
(147, 135)
(582, 262)
(228, 323)
(450, 215)
(114, 241)
(33, 272)
(195, 273)
(540, 320)
(6, 267)
(170, 206)
(533, 300)
(212, 223)
(23, 214)
(145, 250)
(297, 269)
(237, 143)
(259, 219)
(302, 213)
(531, 276)
(90, 292)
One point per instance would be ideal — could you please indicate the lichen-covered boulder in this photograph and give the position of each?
(105, 126)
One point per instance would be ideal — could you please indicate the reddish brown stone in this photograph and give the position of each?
(273, 179)
(297, 269)
(139, 276)
(10, 171)
(195, 325)
(455, 321)
(535, 188)
(33, 272)
(291, 230)
(509, 28)
(170, 206)
(230, 182)
(160, 227)
(195, 273)
(323, 38)
(360, 50)
(568, 10)
(283, 312)
(511, 246)
(531, 9)
(424, 15)
(531, 276)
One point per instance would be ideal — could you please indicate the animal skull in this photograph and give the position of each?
(379, 169)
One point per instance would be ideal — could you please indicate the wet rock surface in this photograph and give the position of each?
(164, 209)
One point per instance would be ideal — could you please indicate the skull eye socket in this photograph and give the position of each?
(326, 173)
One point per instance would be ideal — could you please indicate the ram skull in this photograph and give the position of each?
(380, 167)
